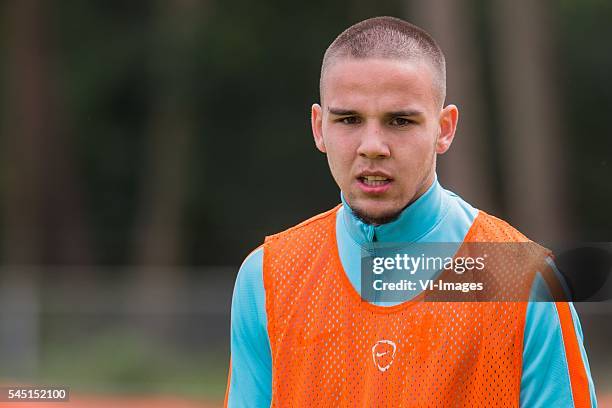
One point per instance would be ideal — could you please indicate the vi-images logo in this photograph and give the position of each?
(383, 353)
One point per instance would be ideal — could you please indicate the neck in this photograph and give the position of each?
(417, 219)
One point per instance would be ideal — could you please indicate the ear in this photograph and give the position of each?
(316, 119)
(448, 125)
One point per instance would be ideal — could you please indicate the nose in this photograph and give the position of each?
(373, 144)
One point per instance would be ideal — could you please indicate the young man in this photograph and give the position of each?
(301, 334)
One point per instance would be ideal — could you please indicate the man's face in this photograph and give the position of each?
(381, 126)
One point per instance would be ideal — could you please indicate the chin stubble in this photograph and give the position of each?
(372, 220)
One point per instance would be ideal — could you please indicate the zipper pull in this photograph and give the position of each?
(371, 234)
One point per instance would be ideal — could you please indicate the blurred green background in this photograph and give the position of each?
(148, 146)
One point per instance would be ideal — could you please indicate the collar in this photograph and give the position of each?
(415, 221)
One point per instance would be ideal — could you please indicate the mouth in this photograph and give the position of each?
(374, 183)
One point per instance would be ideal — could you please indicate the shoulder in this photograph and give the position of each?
(248, 312)
(327, 216)
(484, 226)
(487, 227)
(249, 274)
(249, 294)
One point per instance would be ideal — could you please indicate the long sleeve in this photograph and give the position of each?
(556, 371)
(250, 378)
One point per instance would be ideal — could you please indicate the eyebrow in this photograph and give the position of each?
(348, 112)
(410, 112)
(341, 112)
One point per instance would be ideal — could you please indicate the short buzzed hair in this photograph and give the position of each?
(388, 37)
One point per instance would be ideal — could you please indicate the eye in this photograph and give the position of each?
(399, 121)
(350, 120)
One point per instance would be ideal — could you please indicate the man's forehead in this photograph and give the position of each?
(390, 83)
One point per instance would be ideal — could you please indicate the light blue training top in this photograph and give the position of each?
(438, 215)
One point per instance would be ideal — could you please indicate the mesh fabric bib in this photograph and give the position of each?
(330, 348)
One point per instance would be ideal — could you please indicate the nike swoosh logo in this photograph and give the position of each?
(381, 354)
